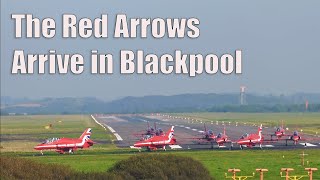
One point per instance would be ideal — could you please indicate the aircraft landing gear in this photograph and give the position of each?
(231, 146)
(260, 146)
(241, 147)
(41, 152)
(70, 151)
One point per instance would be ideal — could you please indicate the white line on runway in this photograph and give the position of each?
(110, 128)
(132, 147)
(175, 147)
(308, 144)
(268, 145)
(194, 129)
(118, 137)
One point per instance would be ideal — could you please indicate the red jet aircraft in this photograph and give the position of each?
(222, 138)
(295, 137)
(207, 135)
(279, 133)
(67, 144)
(251, 140)
(150, 131)
(156, 142)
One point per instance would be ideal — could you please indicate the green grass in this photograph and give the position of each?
(32, 130)
(217, 162)
(308, 122)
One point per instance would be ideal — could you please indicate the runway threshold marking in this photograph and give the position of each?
(308, 144)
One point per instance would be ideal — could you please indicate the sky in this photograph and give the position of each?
(279, 42)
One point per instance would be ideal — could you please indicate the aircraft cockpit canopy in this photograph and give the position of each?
(159, 132)
(147, 137)
(50, 140)
(210, 132)
(219, 135)
(295, 133)
(278, 130)
(244, 136)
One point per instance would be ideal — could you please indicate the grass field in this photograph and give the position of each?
(101, 157)
(217, 162)
(308, 122)
(22, 133)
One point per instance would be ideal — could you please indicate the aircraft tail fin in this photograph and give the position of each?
(170, 133)
(86, 134)
(260, 131)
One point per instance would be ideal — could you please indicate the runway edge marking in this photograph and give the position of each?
(308, 144)
(110, 128)
(175, 147)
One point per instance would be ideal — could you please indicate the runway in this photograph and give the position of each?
(127, 130)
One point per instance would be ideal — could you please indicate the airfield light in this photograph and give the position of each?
(234, 176)
(287, 170)
(310, 171)
(296, 177)
(261, 172)
(302, 157)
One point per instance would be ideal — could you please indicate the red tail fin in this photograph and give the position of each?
(170, 133)
(260, 131)
(86, 133)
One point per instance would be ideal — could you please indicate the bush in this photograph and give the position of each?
(156, 166)
(20, 168)
(147, 166)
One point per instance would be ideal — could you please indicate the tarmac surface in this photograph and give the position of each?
(128, 129)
